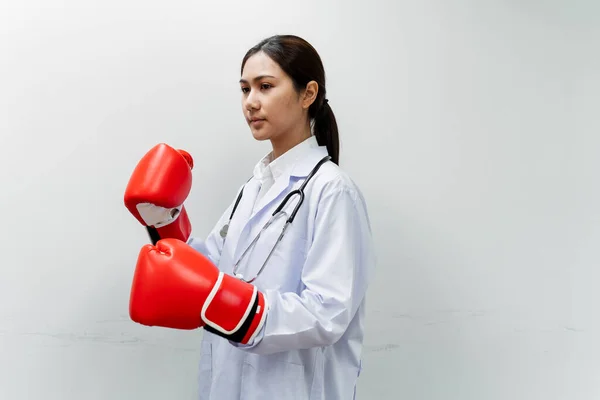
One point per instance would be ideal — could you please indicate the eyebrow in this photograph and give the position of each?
(258, 78)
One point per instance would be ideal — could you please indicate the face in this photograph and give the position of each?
(272, 107)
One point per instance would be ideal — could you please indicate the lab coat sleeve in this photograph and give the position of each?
(335, 279)
(212, 246)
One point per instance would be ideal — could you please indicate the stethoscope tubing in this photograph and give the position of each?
(299, 192)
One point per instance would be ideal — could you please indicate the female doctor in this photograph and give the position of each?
(279, 284)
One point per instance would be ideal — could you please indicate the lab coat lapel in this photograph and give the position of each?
(279, 186)
(299, 169)
(241, 217)
(254, 221)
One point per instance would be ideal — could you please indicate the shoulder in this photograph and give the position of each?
(336, 197)
(333, 181)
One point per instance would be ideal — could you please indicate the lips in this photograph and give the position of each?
(256, 121)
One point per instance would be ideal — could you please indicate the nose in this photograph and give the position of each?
(251, 102)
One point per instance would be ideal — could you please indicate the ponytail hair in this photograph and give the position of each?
(325, 130)
(302, 63)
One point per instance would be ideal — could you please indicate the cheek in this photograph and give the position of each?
(281, 101)
(283, 107)
(276, 108)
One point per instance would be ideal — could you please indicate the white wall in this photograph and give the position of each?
(470, 127)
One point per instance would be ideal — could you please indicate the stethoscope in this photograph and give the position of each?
(276, 214)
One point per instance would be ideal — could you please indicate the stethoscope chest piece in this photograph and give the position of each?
(224, 231)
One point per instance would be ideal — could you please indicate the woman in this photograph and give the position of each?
(301, 336)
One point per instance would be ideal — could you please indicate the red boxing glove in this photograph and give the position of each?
(158, 186)
(175, 286)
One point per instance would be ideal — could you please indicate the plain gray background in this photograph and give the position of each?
(471, 126)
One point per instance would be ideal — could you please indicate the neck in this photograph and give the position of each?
(288, 140)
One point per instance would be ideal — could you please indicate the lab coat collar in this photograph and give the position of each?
(277, 168)
(305, 165)
(297, 162)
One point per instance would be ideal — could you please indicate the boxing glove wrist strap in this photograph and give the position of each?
(238, 335)
(234, 310)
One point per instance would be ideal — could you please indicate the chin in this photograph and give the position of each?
(260, 136)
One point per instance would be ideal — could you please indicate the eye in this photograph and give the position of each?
(266, 86)
(245, 90)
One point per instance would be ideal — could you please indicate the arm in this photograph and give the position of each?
(335, 277)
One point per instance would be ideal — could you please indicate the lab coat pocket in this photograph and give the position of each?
(205, 370)
(273, 379)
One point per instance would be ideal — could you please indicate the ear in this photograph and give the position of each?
(310, 94)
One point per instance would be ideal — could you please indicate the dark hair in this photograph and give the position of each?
(302, 63)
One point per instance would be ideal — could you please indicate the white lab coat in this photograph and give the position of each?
(310, 345)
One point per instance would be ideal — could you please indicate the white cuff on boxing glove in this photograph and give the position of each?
(158, 216)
